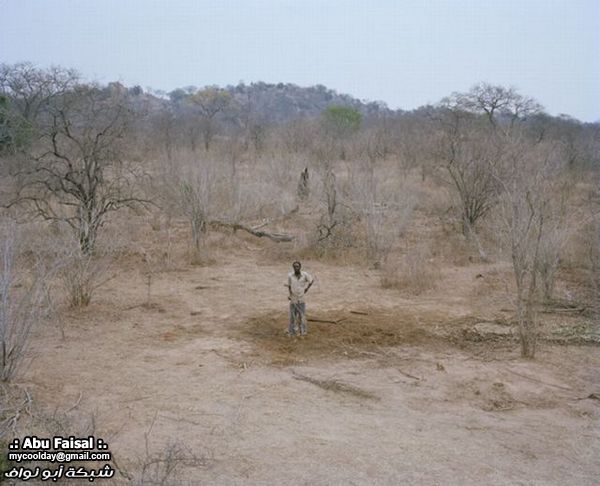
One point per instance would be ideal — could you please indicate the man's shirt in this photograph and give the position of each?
(297, 285)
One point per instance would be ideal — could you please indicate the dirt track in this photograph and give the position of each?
(207, 365)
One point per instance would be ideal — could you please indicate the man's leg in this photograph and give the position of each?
(303, 323)
(292, 326)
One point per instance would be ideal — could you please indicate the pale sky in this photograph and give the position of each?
(404, 52)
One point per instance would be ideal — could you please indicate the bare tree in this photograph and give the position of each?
(23, 300)
(466, 149)
(303, 189)
(560, 225)
(503, 107)
(383, 201)
(77, 173)
(15, 132)
(297, 136)
(411, 143)
(527, 176)
(326, 148)
(164, 128)
(593, 242)
(210, 102)
(31, 89)
(25, 92)
(474, 131)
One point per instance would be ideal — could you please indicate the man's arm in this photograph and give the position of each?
(312, 281)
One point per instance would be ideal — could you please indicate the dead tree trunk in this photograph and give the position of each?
(303, 189)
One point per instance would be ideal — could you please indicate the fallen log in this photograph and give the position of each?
(326, 321)
(556, 310)
(278, 237)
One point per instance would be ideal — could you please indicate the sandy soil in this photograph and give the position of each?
(381, 398)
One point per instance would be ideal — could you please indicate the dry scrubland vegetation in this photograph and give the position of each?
(144, 247)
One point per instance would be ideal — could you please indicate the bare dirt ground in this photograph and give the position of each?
(388, 394)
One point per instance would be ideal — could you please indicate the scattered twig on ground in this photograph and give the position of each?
(408, 375)
(136, 399)
(540, 381)
(327, 321)
(335, 386)
(180, 419)
(133, 306)
(591, 396)
(76, 404)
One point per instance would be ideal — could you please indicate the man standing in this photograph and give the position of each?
(298, 284)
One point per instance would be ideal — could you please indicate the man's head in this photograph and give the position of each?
(297, 266)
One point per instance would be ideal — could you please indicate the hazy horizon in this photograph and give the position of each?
(406, 54)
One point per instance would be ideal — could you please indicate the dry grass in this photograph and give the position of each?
(414, 273)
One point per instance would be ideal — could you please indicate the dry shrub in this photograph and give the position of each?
(454, 249)
(493, 283)
(260, 200)
(23, 296)
(580, 271)
(384, 200)
(592, 244)
(437, 201)
(344, 245)
(579, 268)
(385, 224)
(164, 467)
(46, 422)
(207, 191)
(81, 274)
(27, 417)
(15, 403)
(594, 259)
(414, 272)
